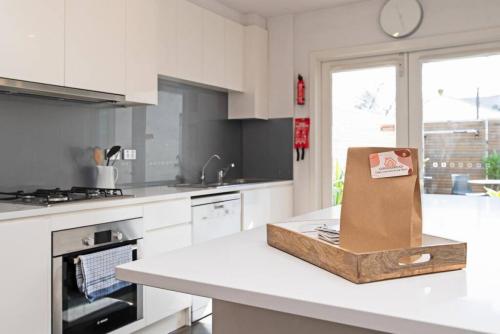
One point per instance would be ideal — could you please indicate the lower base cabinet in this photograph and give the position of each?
(266, 205)
(25, 278)
(162, 303)
(172, 230)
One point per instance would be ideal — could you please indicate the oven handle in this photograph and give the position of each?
(57, 312)
(76, 260)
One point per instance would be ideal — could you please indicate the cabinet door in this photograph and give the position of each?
(95, 45)
(252, 103)
(213, 49)
(261, 72)
(32, 40)
(233, 55)
(255, 208)
(167, 38)
(25, 259)
(281, 203)
(189, 41)
(167, 213)
(141, 58)
(161, 303)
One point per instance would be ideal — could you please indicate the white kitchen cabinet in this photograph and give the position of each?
(213, 49)
(266, 205)
(32, 40)
(95, 45)
(234, 36)
(162, 303)
(168, 227)
(189, 41)
(281, 203)
(167, 38)
(162, 214)
(281, 67)
(253, 102)
(141, 48)
(197, 45)
(26, 276)
(255, 208)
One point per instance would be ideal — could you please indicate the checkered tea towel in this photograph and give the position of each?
(95, 272)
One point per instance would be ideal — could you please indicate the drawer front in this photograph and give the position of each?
(167, 213)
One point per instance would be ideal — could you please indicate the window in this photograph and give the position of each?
(445, 102)
(461, 124)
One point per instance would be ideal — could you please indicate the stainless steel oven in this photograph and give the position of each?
(73, 312)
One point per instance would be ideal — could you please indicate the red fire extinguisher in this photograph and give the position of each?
(301, 91)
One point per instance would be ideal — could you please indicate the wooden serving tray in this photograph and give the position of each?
(299, 239)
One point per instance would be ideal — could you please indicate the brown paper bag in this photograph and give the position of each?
(379, 214)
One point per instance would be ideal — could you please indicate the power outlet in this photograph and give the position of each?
(129, 154)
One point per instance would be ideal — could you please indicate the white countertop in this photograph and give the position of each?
(252, 273)
(141, 195)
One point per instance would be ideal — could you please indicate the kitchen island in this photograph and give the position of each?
(259, 289)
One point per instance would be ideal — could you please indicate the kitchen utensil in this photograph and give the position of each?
(106, 177)
(112, 151)
(98, 156)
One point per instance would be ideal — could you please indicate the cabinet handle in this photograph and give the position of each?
(219, 206)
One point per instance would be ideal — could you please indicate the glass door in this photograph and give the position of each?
(457, 113)
(367, 107)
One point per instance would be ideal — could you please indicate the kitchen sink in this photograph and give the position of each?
(230, 182)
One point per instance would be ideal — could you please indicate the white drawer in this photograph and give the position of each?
(167, 213)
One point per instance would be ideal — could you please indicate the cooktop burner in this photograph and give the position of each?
(47, 197)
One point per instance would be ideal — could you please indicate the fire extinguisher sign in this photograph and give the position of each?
(301, 141)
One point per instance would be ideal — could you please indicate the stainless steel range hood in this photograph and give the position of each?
(27, 88)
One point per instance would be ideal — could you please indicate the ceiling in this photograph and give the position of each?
(268, 8)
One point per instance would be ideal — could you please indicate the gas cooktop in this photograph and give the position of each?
(48, 197)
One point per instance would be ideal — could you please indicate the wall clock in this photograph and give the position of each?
(401, 18)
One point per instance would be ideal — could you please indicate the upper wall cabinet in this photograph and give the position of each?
(199, 46)
(167, 37)
(213, 49)
(189, 41)
(281, 69)
(95, 45)
(141, 57)
(252, 103)
(234, 37)
(32, 40)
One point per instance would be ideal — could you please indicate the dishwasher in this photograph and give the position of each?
(213, 217)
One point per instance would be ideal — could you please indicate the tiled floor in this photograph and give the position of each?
(204, 326)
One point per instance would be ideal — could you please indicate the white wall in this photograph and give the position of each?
(229, 13)
(355, 25)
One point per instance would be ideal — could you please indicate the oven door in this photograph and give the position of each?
(72, 313)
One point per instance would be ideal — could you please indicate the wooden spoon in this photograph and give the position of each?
(98, 156)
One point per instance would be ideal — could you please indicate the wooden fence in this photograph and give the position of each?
(451, 148)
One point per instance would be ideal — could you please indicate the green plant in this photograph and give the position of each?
(492, 193)
(338, 184)
(492, 165)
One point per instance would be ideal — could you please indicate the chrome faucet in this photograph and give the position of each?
(223, 172)
(215, 156)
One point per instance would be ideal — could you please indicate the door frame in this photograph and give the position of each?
(309, 193)
(402, 118)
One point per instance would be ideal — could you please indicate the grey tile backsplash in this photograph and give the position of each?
(46, 143)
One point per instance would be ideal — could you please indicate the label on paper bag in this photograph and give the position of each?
(391, 164)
